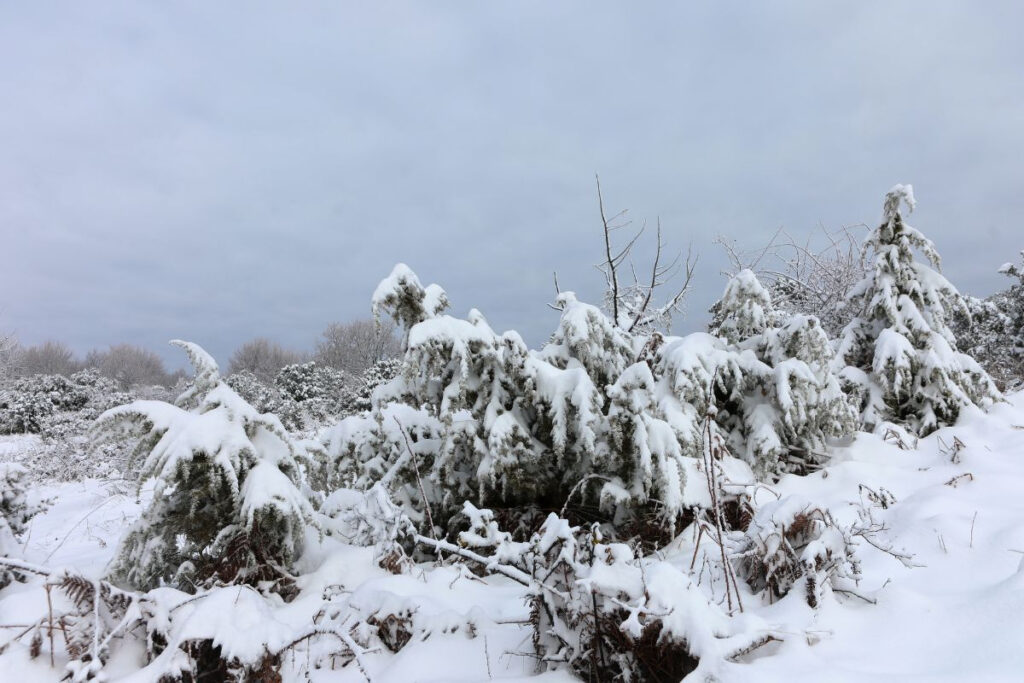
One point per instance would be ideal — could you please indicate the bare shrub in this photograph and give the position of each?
(356, 346)
(263, 358)
(809, 277)
(129, 366)
(48, 358)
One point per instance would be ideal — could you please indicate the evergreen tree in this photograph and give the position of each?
(785, 402)
(899, 355)
(227, 505)
(745, 309)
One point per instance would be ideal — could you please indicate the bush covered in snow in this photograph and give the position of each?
(993, 333)
(790, 542)
(27, 401)
(599, 420)
(381, 372)
(227, 505)
(14, 515)
(783, 401)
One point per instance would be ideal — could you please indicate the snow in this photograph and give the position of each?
(953, 617)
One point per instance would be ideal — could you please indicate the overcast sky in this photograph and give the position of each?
(220, 171)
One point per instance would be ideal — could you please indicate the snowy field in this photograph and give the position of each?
(955, 513)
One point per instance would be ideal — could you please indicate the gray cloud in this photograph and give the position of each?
(222, 171)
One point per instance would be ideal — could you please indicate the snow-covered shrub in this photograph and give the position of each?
(227, 505)
(745, 309)
(899, 356)
(23, 412)
(381, 372)
(779, 400)
(810, 277)
(993, 334)
(311, 393)
(487, 420)
(265, 398)
(597, 609)
(600, 421)
(14, 515)
(791, 543)
(309, 381)
(62, 410)
(29, 400)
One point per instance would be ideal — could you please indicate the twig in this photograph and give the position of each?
(844, 591)
(49, 609)
(577, 487)
(68, 535)
(747, 649)
(960, 478)
(505, 570)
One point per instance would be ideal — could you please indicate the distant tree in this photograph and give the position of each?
(356, 346)
(263, 358)
(129, 366)
(48, 358)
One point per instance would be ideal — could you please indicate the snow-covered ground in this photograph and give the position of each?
(955, 616)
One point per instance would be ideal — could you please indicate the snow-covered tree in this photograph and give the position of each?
(784, 401)
(993, 334)
(899, 354)
(406, 300)
(745, 309)
(227, 505)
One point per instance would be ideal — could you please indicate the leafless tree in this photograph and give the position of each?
(353, 347)
(48, 358)
(631, 302)
(810, 277)
(10, 356)
(263, 358)
(129, 366)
